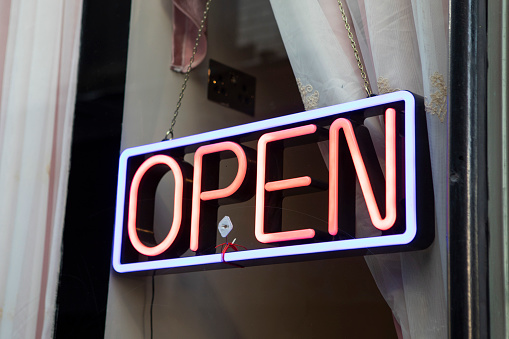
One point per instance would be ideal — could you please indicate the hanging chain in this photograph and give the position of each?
(367, 86)
(169, 133)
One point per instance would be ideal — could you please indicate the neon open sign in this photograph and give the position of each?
(399, 205)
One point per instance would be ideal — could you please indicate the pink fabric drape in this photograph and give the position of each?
(39, 50)
(187, 16)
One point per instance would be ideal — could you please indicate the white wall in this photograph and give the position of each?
(329, 298)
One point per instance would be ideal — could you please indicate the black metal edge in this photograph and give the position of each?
(468, 221)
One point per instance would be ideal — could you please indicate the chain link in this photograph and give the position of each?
(367, 86)
(169, 133)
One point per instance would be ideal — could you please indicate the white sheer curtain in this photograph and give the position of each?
(39, 49)
(404, 46)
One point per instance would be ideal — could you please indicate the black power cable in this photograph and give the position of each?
(152, 305)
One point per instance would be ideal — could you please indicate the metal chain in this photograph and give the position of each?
(367, 86)
(169, 133)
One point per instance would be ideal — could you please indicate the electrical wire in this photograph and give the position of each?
(152, 306)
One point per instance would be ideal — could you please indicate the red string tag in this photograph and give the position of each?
(228, 245)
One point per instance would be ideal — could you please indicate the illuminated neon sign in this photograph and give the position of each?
(400, 205)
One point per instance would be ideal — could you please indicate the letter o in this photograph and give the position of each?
(177, 205)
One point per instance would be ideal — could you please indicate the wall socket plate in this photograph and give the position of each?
(231, 88)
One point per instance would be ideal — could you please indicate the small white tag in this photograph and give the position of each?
(225, 226)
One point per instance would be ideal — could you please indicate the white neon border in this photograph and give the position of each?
(338, 245)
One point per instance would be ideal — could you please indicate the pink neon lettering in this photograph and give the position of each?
(287, 183)
(360, 169)
(133, 205)
(198, 195)
(261, 186)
